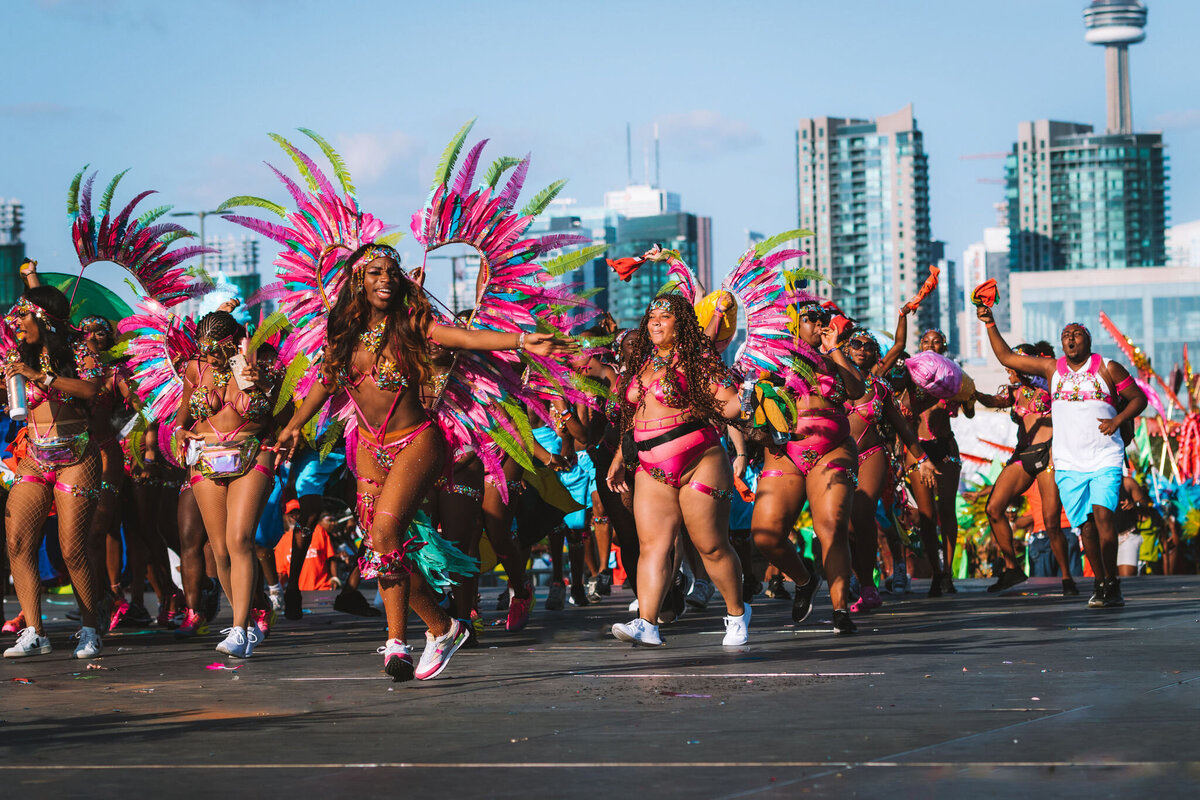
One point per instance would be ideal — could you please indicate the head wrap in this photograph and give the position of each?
(94, 320)
(26, 306)
(358, 268)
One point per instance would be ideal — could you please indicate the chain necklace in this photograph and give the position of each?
(372, 338)
(658, 362)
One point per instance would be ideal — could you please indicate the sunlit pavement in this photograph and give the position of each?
(969, 695)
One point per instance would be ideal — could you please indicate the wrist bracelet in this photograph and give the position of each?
(991, 324)
(521, 341)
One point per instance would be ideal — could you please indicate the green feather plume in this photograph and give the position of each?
(542, 199)
(153, 214)
(290, 149)
(295, 370)
(106, 199)
(568, 262)
(73, 192)
(520, 421)
(330, 438)
(339, 166)
(391, 239)
(445, 165)
(767, 245)
(500, 166)
(270, 326)
(510, 446)
(258, 202)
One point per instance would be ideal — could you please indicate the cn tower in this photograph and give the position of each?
(1116, 24)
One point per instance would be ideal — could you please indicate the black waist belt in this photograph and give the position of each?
(671, 435)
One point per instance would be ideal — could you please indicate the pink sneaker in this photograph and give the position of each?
(15, 624)
(869, 600)
(263, 620)
(194, 624)
(120, 610)
(519, 609)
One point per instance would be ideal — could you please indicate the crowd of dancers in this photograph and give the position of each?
(455, 426)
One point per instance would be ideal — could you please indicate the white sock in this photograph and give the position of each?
(275, 588)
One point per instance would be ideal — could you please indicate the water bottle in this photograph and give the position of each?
(746, 398)
(18, 404)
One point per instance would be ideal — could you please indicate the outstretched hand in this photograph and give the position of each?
(928, 474)
(547, 344)
(985, 315)
(616, 476)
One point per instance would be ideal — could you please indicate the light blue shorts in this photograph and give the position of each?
(312, 474)
(1082, 490)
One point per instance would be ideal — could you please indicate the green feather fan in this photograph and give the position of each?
(339, 166)
(445, 165)
(499, 167)
(767, 245)
(106, 198)
(257, 202)
(542, 199)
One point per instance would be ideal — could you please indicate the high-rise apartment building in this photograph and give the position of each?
(234, 269)
(632, 221)
(1081, 200)
(863, 187)
(12, 251)
(982, 260)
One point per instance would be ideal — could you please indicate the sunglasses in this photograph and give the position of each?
(815, 317)
(859, 344)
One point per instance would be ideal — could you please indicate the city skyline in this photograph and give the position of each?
(727, 124)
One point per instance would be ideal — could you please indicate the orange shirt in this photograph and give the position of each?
(1034, 496)
(314, 573)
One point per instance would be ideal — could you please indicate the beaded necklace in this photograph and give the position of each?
(372, 338)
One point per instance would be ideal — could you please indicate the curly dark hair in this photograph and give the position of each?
(58, 337)
(697, 359)
(408, 323)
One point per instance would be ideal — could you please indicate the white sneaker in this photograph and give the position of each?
(438, 651)
(638, 631)
(737, 629)
(700, 594)
(29, 643)
(633, 607)
(899, 583)
(276, 598)
(90, 643)
(234, 643)
(397, 660)
(253, 637)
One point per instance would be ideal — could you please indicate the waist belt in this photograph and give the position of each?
(671, 435)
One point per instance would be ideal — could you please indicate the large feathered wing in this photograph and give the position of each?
(140, 244)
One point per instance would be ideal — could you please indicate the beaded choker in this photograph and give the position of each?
(658, 362)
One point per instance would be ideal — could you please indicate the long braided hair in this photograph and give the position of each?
(696, 358)
(408, 322)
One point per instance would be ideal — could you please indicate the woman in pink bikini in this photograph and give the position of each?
(225, 427)
(376, 360)
(677, 392)
(875, 421)
(819, 464)
(62, 465)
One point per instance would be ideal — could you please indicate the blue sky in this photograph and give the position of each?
(185, 92)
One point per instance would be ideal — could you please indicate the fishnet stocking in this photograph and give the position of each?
(25, 514)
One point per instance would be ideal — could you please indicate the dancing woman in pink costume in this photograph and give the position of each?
(819, 463)
(676, 393)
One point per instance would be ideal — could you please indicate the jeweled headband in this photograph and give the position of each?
(938, 331)
(101, 321)
(26, 306)
(373, 252)
(660, 304)
(212, 347)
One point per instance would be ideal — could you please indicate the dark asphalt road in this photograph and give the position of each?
(972, 695)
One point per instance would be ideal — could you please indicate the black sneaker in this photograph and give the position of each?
(352, 601)
(1069, 588)
(802, 602)
(604, 584)
(677, 596)
(579, 595)
(935, 586)
(1112, 594)
(842, 624)
(502, 600)
(1097, 598)
(948, 584)
(776, 589)
(138, 617)
(293, 602)
(1008, 579)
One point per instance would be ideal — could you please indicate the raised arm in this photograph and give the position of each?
(855, 387)
(885, 364)
(541, 344)
(1030, 365)
(1001, 399)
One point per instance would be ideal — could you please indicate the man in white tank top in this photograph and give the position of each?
(1089, 450)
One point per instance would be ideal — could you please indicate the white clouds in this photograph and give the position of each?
(703, 134)
(374, 156)
(1186, 118)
